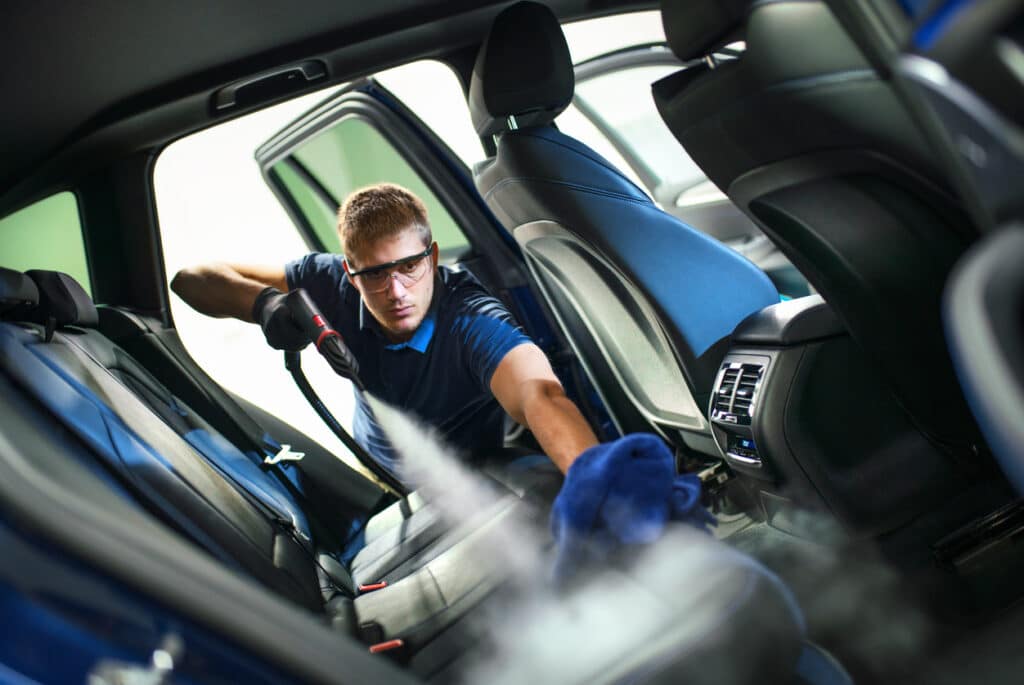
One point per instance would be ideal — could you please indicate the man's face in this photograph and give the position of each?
(397, 304)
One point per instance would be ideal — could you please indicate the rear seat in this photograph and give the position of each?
(193, 477)
(186, 474)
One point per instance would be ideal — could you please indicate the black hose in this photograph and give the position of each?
(293, 363)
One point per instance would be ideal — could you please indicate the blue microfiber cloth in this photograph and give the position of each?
(620, 493)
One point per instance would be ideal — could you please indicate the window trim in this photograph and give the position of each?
(441, 171)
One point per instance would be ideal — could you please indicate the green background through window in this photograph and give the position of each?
(46, 235)
(348, 156)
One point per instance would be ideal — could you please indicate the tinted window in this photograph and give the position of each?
(614, 97)
(46, 235)
(324, 170)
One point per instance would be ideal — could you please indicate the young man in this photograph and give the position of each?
(426, 339)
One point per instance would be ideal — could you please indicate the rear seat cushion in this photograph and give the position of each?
(689, 609)
(392, 516)
(445, 587)
(411, 531)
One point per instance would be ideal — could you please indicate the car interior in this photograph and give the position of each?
(857, 435)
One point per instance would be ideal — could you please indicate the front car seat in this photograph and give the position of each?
(802, 134)
(647, 302)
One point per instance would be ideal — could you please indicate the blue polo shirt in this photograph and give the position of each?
(442, 374)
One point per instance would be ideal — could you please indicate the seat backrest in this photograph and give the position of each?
(804, 136)
(647, 302)
(173, 463)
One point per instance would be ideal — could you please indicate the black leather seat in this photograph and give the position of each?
(803, 135)
(646, 301)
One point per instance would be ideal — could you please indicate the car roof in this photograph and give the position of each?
(83, 84)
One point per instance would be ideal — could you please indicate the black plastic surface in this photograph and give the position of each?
(789, 323)
(831, 437)
(984, 314)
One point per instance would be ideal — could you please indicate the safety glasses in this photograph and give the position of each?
(407, 271)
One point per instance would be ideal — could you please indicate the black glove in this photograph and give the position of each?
(271, 312)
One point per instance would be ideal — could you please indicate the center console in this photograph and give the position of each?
(805, 420)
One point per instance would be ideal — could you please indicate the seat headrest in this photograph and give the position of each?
(18, 293)
(523, 70)
(62, 298)
(694, 28)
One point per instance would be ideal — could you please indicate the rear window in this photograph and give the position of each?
(46, 235)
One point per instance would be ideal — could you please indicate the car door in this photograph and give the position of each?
(613, 97)
(364, 135)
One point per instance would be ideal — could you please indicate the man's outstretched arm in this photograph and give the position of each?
(221, 290)
(530, 392)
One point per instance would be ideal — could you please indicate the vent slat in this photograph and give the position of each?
(736, 390)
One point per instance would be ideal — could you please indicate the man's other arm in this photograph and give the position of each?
(221, 290)
(530, 392)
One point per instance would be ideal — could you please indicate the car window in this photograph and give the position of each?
(622, 99)
(431, 90)
(574, 123)
(592, 37)
(46, 235)
(613, 112)
(351, 154)
(214, 205)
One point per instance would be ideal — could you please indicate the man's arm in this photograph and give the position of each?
(222, 290)
(530, 392)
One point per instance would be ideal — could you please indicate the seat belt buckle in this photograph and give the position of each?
(385, 646)
(373, 586)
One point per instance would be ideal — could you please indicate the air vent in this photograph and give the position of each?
(736, 392)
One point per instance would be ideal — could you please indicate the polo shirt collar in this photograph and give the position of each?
(420, 340)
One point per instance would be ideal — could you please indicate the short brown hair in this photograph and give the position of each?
(380, 211)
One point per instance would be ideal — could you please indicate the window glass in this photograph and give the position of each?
(214, 206)
(352, 154)
(46, 235)
(432, 90)
(592, 37)
(623, 100)
(573, 123)
(320, 216)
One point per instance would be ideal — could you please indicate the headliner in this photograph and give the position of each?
(84, 83)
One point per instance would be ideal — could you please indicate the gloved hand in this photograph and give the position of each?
(270, 311)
